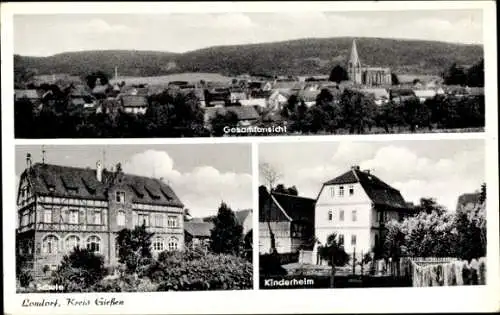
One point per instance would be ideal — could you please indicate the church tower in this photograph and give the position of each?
(354, 65)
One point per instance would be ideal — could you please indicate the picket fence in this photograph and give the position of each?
(452, 273)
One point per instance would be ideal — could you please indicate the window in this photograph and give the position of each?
(73, 216)
(120, 196)
(341, 239)
(351, 190)
(341, 215)
(96, 217)
(330, 215)
(120, 218)
(332, 191)
(158, 244)
(353, 240)
(49, 244)
(94, 244)
(158, 220)
(354, 215)
(143, 219)
(47, 216)
(24, 220)
(172, 244)
(341, 191)
(172, 221)
(72, 242)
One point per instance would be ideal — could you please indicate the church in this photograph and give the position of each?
(364, 75)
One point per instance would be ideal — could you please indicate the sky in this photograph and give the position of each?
(440, 169)
(202, 175)
(44, 35)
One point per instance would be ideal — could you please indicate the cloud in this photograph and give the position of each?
(417, 169)
(202, 189)
(99, 26)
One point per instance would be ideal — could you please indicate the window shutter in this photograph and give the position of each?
(81, 218)
(105, 217)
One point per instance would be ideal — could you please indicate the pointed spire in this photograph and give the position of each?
(354, 60)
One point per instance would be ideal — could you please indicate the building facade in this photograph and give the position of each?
(62, 207)
(286, 222)
(365, 75)
(356, 206)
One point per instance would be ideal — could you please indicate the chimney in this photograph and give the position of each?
(98, 170)
(355, 167)
(28, 160)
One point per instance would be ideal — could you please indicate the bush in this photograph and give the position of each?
(79, 271)
(191, 270)
(126, 283)
(25, 278)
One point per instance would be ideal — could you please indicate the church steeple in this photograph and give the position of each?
(354, 65)
(354, 60)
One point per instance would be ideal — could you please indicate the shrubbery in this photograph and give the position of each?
(190, 270)
(79, 271)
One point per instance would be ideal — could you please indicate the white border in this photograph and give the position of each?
(252, 301)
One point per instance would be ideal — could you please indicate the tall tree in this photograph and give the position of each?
(455, 75)
(97, 75)
(338, 74)
(394, 79)
(226, 235)
(333, 251)
(270, 175)
(475, 74)
(134, 247)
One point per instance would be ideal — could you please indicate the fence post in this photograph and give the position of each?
(332, 275)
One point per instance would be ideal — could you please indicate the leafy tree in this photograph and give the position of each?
(471, 232)
(220, 121)
(429, 205)
(358, 111)
(79, 270)
(248, 245)
(394, 79)
(92, 78)
(455, 75)
(482, 196)
(134, 247)
(475, 74)
(226, 235)
(338, 74)
(333, 251)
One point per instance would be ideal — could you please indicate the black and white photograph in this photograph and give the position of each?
(133, 218)
(248, 74)
(372, 214)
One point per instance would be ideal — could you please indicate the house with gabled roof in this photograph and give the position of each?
(134, 104)
(62, 207)
(356, 205)
(286, 222)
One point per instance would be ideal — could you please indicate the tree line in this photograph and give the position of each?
(356, 112)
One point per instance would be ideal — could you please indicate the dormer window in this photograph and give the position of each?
(351, 190)
(341, 191)
(120, 197)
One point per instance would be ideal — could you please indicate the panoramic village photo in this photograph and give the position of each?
(372, 214)
(248, 74)
(133, 218)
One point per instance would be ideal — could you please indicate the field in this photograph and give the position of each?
(192, 77)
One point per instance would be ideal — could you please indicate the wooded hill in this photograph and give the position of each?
(295, 57)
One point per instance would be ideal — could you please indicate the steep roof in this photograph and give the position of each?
(29, 94)
(73, 182)
(465, 199)
(378, 191)
(291, 207)
(243, 112)
(242, 215)
(198, 229)
(134, 101)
